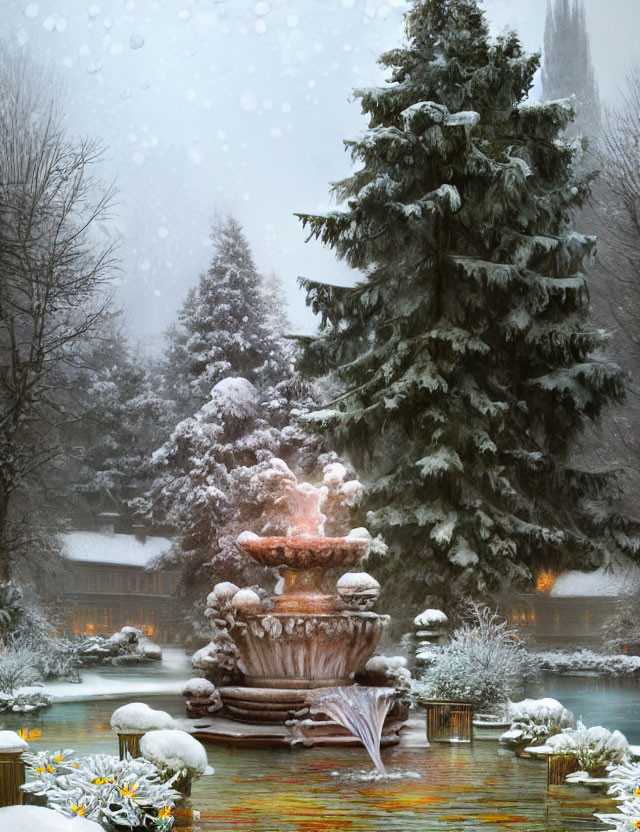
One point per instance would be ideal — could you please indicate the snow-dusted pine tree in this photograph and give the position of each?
(209, 482)
(567, 68)
(224, 327)
(124, 421)
(465, 351)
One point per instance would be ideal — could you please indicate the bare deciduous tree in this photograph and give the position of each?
(55, 264)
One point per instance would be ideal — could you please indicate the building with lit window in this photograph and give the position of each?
(111, 582)
(570, 608)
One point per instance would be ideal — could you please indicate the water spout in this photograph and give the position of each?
(361, 710)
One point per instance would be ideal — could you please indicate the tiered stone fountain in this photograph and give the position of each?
(304, 639)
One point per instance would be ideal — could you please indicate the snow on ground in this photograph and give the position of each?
(39, 819)
(124, 549)
(172, 674)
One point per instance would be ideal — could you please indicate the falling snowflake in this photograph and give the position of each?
(136, 41)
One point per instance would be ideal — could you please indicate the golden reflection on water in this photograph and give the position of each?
(461, 788)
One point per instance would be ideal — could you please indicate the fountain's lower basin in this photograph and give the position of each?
(305, 651)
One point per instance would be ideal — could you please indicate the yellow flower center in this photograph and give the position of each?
(637, 792)
(39, 769)
(165, 813)
(99, 781)
(636, 823)
(58, 758)
(50, 769)
(77, 810)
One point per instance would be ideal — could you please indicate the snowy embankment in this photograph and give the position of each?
(586, 661)
(174, 671)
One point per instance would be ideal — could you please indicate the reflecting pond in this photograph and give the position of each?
(475, 787)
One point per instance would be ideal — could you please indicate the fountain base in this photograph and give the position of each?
(281, 717)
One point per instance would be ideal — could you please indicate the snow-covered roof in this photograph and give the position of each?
(607, 582)
(124, 549)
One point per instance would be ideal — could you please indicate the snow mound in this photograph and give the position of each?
(39, 819)
(358, 582)
(136, 717)
(540, 710)
(174, 751)
(124, 549)
(431, 618)
(603, 582)
(198, 687)
(10, 741)
(246, 600)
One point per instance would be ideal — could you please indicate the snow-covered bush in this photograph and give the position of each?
(623, 627)
(138, 717)
(18, 669)
(533, 720)
(176, 754)
(594, 748)
(118, 794)
(484, 663)
(564, 661)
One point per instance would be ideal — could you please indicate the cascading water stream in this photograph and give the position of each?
(361, 710)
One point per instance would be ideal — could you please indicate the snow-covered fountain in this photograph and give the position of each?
(304, 638)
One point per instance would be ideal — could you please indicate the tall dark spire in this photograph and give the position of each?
(567, 66)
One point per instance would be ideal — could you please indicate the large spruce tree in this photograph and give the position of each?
(467, 359)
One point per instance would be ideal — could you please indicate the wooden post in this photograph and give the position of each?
(558, 766)
(449, 721)
(11, 778)
(129, 743)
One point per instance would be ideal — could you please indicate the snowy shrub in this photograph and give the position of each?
(58, 658)
(561, 661)
(174, 753)
(118, 794)
(623, 627)
(594, 748)
(18, 669)
(533, 720)
(484, 663)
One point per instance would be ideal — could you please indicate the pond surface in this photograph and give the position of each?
(474, 787)
(614, 703)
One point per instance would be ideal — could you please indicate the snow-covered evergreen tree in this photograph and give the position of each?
(567, 67)
(124, 421)
(208, 476)
(467, 359)
(224, 327)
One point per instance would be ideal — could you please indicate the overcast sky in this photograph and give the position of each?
(238, 106)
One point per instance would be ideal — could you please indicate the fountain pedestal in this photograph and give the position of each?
(304, 639)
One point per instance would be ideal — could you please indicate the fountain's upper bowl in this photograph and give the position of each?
(305, 552)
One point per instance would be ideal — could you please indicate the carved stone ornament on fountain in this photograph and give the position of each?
(304, 638)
